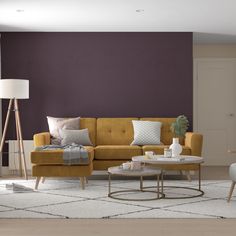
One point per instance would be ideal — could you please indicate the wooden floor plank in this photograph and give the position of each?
(137, 227)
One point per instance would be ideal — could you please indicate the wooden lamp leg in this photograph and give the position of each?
(18, 133)
(22, 152)
(5, 130)
(18, 143)
(6, 125)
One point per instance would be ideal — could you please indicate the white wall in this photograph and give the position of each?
(214, 50)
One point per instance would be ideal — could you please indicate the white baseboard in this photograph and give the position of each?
(7, 172)
(13, 154)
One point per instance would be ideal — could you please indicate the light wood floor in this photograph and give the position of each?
(137, 227)
(208, 173)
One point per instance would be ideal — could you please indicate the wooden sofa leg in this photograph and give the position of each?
(43, 179)
(86, 180)
(38, 178)
(188, 176)
(82, 182)
(231, 191)
(187, 172)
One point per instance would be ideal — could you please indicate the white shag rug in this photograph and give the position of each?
(63, 198)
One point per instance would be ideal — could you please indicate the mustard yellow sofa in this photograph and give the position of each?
(111, 138)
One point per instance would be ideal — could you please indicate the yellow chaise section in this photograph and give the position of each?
(50, 163)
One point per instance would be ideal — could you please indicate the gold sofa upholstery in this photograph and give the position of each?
(111, 138)
(115, 131)
(114, 136)
(50, 163)
(117, 152)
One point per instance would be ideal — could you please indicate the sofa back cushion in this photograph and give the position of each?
(166, 134)
(90, 124)
(115, 131)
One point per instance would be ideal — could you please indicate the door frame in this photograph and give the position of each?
(195, 85)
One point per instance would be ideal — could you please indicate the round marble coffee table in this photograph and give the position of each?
(145, 171)
(160, 160)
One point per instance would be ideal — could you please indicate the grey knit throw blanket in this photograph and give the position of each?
(73, 154)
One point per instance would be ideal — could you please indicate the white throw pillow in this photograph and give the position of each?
(80, 137)
(146, 132)
(55, 124)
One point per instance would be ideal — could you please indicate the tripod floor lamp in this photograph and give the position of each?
(14, 89)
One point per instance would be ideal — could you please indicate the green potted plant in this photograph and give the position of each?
(178, 128)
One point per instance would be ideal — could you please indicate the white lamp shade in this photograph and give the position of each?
(14, 88)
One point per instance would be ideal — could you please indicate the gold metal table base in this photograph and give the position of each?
(115, 194)
(160, 194)
(199, 192)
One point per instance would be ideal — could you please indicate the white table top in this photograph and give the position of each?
(145, 171)
(160, 159)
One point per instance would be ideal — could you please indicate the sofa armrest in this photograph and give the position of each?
(194, 141)
(42, 139)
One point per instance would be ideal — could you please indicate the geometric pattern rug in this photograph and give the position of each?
(63, 198)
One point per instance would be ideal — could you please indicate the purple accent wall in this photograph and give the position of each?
(99, 75)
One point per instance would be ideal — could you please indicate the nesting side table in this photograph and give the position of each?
(145, 171)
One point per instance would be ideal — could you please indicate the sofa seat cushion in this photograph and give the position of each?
(52, 157)
(159, 149)
(117, 152)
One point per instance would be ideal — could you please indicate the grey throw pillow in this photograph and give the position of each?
(80, 137)
(146, 132)
(55, 124)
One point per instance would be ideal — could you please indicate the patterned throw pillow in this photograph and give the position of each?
(55, 124)
(146, 132)
(80, 137)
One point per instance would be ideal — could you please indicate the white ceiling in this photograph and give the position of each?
(214, 19)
